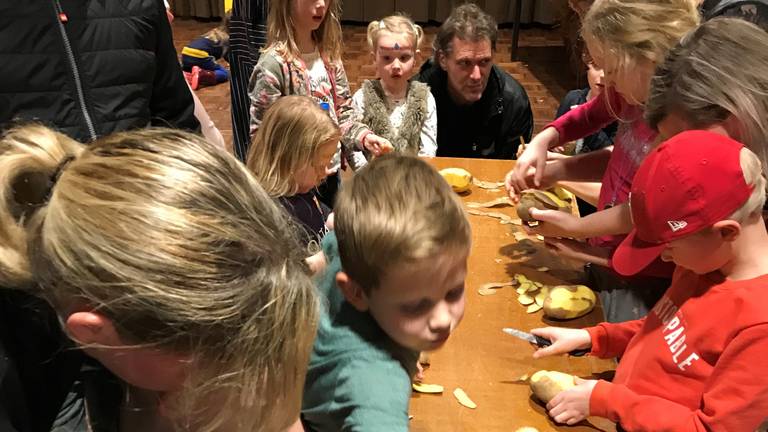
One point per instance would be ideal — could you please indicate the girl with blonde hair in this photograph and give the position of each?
(303, 57)
(290, 155)
(393, 107)
(167, 263)
(715, 79)
(627, 38)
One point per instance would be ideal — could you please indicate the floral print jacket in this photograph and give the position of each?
(275, 76)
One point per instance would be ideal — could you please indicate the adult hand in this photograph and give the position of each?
(377, 145)
(534, 156)
(572, 406)
(554, 223)
(564, 340)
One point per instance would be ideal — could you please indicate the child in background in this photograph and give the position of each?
(627, 38)
(393, 286)
(168, 264)
(198, 58)
(599, 140)
(395, 108)
(694, 363)
(289, 156)
(303, 57)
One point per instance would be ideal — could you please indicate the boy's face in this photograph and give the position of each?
(418, 305)
(702, 252)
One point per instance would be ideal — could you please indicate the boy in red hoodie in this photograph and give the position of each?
(698, 360)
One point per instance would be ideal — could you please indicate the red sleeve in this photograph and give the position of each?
(611, 339)
(587, 119)
(734, 399)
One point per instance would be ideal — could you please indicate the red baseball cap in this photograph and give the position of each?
(686, 184)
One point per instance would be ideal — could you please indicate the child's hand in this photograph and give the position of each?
(554, 223)
(534, 156)
(564, 340)
(377, 145)
(572, 406)
(568, 248)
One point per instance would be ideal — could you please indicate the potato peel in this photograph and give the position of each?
(525, 299)
(504, 201)
(427, 388)
(482, 184)
(534, 308)
(463, 399)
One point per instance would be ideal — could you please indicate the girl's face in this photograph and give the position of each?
(310, 176)
(595, 77)
(308, 14)
(632, 84)
(394, 57)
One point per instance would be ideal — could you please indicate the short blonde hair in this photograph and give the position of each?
(718, 70)
(289, 139)
(753, 176)
(281, 34)
(635, 30)
(395, 24)
(397, 210)
(175, 242)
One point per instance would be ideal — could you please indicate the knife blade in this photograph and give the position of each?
(539, 341)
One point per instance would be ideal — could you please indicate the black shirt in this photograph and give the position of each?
(601, 139)
(489, 128)
(310, 215)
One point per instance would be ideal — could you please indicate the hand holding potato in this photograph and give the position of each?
(377, 145)
(534, 156)
(564, 340)
(572, 406)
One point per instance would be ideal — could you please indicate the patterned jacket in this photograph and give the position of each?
(275, 76)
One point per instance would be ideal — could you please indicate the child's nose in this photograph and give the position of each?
(441, 318)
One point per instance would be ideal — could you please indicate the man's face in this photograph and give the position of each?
(468, 66)
(419, 305)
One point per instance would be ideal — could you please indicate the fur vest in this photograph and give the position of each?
(407, 139)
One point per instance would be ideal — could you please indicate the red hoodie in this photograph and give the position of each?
(697, 362)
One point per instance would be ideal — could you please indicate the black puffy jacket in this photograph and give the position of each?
(91, 67)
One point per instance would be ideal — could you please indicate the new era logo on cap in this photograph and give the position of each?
(677, 225)
(685, 185)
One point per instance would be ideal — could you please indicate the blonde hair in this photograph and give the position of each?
(753, 176)
(220, 34)
(397, 210)
(717, 71)
(395, 24)
(290, 137)
(634, 30)
(281, 36)
(175, 242)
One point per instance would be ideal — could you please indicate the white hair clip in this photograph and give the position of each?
(382, 26)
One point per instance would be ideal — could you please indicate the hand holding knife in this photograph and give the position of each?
(540, 341)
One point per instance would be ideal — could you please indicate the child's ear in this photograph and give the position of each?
(352, 291)
(729, 229)
(93, 328)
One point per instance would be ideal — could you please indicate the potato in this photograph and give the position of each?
(545, 385)
(543, 200)
(569, 301)
(459, 179)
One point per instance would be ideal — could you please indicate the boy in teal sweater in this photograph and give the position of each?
(393, 285)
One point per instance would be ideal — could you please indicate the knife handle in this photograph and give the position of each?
(544, 342)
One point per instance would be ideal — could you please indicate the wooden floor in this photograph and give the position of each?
(543, 68)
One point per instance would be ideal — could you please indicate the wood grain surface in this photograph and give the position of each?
(478, 357)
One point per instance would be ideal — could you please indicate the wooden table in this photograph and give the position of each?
(478, 357)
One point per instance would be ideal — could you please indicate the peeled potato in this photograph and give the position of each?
(569, 301)
(539, 199)
(545, 385)
(427, 388)
(459, 179)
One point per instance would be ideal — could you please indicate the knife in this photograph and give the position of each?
(540, 341)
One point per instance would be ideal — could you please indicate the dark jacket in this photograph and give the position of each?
(754, 11)
(91, 67)
(491, 127)
(600, 139)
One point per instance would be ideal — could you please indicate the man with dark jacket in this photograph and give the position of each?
(87, 68)
(482, 112)
(91, 67)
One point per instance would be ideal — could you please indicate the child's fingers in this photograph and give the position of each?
(537, 176)
(548, 351)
